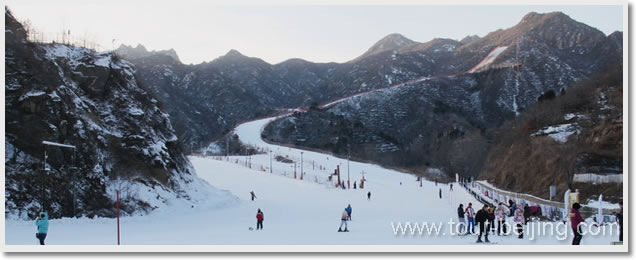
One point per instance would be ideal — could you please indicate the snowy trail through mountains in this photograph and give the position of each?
(297, 212)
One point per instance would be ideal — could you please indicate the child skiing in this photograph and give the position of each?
(253, 195)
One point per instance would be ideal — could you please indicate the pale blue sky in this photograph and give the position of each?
(201, 31)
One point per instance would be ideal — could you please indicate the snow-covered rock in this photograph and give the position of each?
(559, 133)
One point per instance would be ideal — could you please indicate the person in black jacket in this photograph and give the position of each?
(482, 219)
(619, 219)
(526, 213)
(460, 216)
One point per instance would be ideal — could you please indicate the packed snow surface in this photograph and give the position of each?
(305, 212)
(489, 58)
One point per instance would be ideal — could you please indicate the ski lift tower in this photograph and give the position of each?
(46, 171)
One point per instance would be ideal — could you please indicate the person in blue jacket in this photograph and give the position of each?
(43, 226)
(348, 210)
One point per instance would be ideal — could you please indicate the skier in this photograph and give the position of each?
(354, 185)
(451, 187)
(42, 223)
(520, 220)
(435, 182)
(470, 214)
(482, 219)
(369, 195)
(348, 209)
(460, 216)
(259, 219)
(500, 214)
(253, 195)
(440, 193)
(576, 220)
(343, 221)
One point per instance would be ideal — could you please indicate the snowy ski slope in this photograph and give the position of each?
(296, 212)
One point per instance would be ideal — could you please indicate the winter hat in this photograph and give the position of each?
(576, 206)
(461, 205)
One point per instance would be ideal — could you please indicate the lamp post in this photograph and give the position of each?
(301, 166)
(348, 179)
(348, 158)
(46, 170)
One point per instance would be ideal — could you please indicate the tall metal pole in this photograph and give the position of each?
(270, 161)
(301, 166)
(117, 217)
(73, 169)
(348, 179)
(44, 173)
(227, 147)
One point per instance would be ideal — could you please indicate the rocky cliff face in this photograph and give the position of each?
(93, 101)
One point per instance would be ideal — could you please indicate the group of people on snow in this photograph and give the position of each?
(489, 216)
(346, 216)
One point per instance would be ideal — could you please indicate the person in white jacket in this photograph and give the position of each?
(470, 214)
(344, 218)
(500, 216)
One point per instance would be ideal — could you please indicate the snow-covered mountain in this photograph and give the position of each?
(449, 120)
(391, 42)
(94, 101)
(207, 99)
(140, 51)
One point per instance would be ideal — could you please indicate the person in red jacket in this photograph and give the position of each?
(259, 219)
(576, 220)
